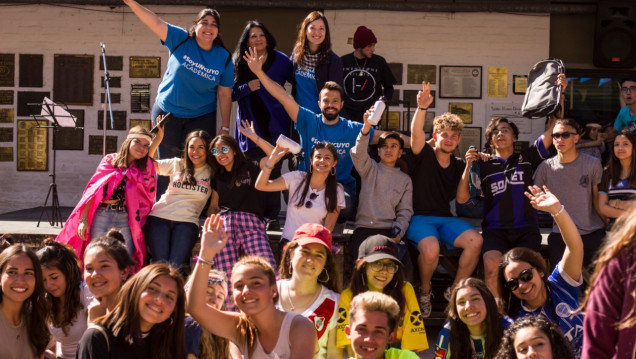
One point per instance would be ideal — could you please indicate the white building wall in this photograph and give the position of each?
(479, 39)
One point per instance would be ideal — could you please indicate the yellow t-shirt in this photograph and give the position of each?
(410, 330)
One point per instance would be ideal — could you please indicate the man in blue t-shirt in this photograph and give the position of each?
(627, 115)
(327, 126)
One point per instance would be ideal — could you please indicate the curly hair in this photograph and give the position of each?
(560, 347)
(448, 121)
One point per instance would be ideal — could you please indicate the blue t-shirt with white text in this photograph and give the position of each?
(306, 91)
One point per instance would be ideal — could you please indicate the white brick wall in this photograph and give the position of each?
(483, 39)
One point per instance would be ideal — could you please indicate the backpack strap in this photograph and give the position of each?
(103, 331)
(179, 44)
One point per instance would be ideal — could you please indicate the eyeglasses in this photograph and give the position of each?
(312, 197)
(378, 266)
(631, 89)
(563, 135)
(224, 149)
(503, 131)
(525, 276)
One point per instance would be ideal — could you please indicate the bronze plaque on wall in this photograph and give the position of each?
(7, 70)
(73, 79)
(118, 116)
(115, 81)
(114, 63)
(6, 154)
(6, 134)
(396, 69)
(33, 154)
(6, 97)
(145, 67)
(27, 97)
(114, 97)
(6, 115)
(68, 138)
(147, 124)
(31, 67)
(415, 74)
(95, 144)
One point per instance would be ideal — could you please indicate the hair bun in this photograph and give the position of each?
(116, 234)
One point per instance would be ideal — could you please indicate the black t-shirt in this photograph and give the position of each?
(434, 186)
(364, 82)
(240, 195)
(93, 345)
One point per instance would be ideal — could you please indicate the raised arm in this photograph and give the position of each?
(544, 200)
(418, 137)
(263, 183)
(255, 64)
(546, 136)
(156, 141)
(247, 129)
(223, 324)
(149, 18)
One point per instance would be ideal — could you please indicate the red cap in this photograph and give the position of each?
(313, 233)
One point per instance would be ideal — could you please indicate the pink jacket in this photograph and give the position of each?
(140, 192)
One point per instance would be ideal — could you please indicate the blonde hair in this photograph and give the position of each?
(370, 301)
(448, 121)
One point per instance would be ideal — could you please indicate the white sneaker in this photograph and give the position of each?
(425, 304)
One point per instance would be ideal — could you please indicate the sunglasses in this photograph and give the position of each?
(564, 135)
(312, 197)
(525, 276)
(379, 267)
(224, 149)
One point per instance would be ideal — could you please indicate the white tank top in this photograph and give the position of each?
(282, 350)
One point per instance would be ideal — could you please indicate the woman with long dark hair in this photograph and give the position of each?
(23, 308)
(147, 322)
(68, 297)
(198, 79)
(314, 62)
(172, 228)
(378, 269)
(474, 328)
(120, 194)
(315, 195)
(527, 288)
(617, 191)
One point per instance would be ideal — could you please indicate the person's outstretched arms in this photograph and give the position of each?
(149, 18)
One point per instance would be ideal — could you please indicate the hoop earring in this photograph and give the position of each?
(323, 280)
(311, 169)
(333, 171)
(171, 322)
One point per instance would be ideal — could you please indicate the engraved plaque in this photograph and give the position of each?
(114, 97)
(33, 154)
(6, 134)
(95, 144)
(114, 63)
(73, 79)
(6, 115)
(140, 98)
(6, 154)
(25, 98)
(415, 74)
(31, 67)
(118, 116)
(6, 97)
(463, 110)
(147, 124)
(115, 82)
(7, 70)
(396, 69)
(69, 138)
(145, 67)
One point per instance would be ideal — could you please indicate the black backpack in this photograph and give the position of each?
(543, 97)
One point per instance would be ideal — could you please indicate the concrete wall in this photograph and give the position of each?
(475, 39)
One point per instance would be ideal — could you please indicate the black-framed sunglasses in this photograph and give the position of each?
(224, 149)
(563, 135)
(525, 276)
(312, 197)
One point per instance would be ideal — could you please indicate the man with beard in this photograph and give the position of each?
(436, 175)
(366, 75)
(314, 128)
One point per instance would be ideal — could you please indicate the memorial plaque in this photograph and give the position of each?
(118, 116)
(6, 134)
(73, 79)
(6, 115)
(114, 63)
(411, 97)
(114, 97)
(471, 136)
(415, 74)
(519, 84)
(70, 138)
(397, 69)
(147, 124)
(31, 67)
(95, 144)
(25, 98)
(140, 98)
(145, 67)
(6, 97)
(463, 110)
(7, 70)
(6, 154)
(115, 82)
(460, 82)
(33, 154)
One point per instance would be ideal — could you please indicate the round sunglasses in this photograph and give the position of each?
(525, 276)
(224, 149)
(312, 197)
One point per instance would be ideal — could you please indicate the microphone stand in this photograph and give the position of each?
(106, 100)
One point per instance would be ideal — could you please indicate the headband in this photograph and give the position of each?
(139, 135)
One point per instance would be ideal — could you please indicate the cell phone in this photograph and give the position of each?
(163, 121)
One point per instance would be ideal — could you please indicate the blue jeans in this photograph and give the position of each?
(170, 241)
(175, 133)
(105, 218)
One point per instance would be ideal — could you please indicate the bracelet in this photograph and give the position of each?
(83, 220)
(559, 212)
(201, 260)
(616, 203)
(224, 128)
(423, 109)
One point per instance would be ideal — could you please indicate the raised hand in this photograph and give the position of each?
(562, 80)
(254, 62)
(424, 97)
(276, 155)
(543, 199)
(247, 129)
(213, 238)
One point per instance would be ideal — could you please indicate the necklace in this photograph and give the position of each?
(361, 73)
(289, 298)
